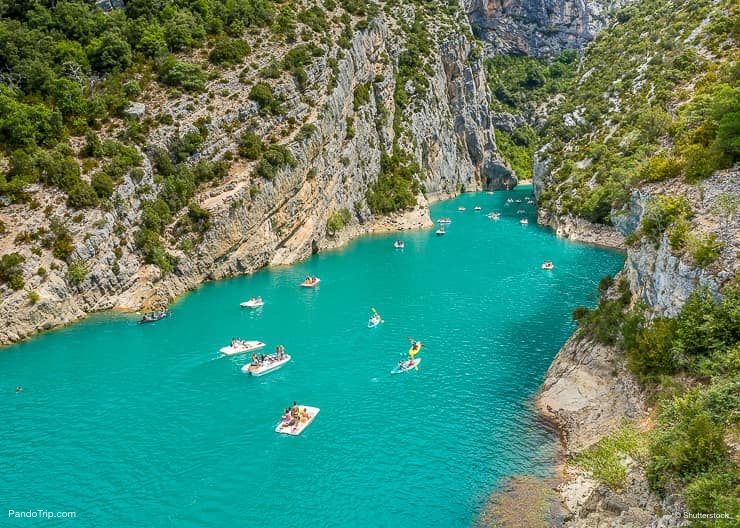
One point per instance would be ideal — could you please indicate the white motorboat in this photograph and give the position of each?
(240, 347)
(253, 303)
(267, 365)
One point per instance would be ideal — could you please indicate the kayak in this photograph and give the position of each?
(476, 208)
(445, 220)
(241, 347)
(310, 284)
(406, 366)
(253, 303)
(374, 321)
(399, 244)
(309, 413)
(440, 231)
(266, 366)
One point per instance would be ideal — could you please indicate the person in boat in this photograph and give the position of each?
(18, 389)
(259, 298)
(255, 359)
(287, 417)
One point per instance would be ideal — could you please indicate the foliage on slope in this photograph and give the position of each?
(690, 365)
(656, 97)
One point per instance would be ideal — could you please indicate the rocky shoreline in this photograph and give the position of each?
(150, 288)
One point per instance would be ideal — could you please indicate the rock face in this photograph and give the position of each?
(587, 391)
(136, 110)
(110, 5)
(538, 27)
(256, 222)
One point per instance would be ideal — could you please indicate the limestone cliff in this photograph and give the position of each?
(256, 222)
(538, 27)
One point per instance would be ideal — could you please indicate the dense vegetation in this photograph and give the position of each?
(656, 97)
(690, 365)
(519, 85)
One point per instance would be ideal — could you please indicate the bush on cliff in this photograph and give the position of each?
(11, 271)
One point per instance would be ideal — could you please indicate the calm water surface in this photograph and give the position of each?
(146, 425)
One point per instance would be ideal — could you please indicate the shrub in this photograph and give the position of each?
(102, 184)
(274, 158)
(200, 219)
(652, 353)
(661, 212)
(189, 77)
(229, 51)
(63, 246)
(262, 94)
(395, 186)
(691, 446)
(250, 146)
(76, 272)
(82, 195)
(306, 131)
(11, 271)
(706, 249)
(580, 312)
(605, 459)
(361, 96)
(33, 297)
(660, 167)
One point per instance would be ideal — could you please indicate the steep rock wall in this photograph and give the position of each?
(538, 27)
(447, 130)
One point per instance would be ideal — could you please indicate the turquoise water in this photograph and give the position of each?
(144, 425)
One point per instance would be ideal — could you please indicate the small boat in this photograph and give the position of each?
(547, 265)
(310, 282)
(307, 415)
(489, 192)
(374, 321)
(518, 200)
(521, 211)
(440, 231)
(240, 347)
(253, 303)
(509, 200)
(445, 220)
(270, 364)
(524, 221)
(154, 316)
(461, 208)
(476, 208)
(406, 365)
(494, 216)
(399, 244)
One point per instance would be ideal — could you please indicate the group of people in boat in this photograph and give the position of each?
(237, 342)
(292, 416)
(311, 279)
(256, 299)
(155, 315)
(259, 360)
